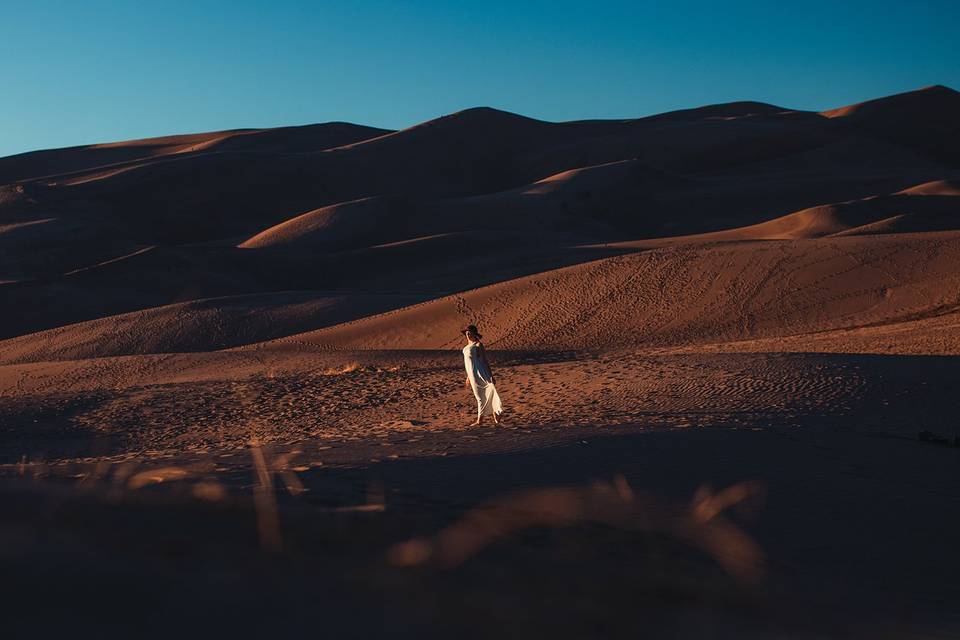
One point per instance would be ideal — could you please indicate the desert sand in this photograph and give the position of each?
(727, 338)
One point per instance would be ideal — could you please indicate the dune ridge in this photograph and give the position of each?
(466, 200)
(47, 164)
(925, 120)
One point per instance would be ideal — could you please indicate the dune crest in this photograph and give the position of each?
(86, 158)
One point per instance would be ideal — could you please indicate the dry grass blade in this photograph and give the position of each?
(281, 464)
(265, 503)
(154, 476)
(613, 504)
(706, 505)
(292, 483)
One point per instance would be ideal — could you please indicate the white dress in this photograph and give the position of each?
(488, 400)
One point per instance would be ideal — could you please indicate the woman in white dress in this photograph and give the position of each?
(480, 377)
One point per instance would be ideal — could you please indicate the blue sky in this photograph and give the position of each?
(95, 71)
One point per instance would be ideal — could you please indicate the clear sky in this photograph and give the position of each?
(76, 72)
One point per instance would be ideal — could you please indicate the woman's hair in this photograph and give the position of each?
(471, 329)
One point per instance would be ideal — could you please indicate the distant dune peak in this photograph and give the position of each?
(949, 187)
(938, 88)
(739, 109)
(487, 112)
(921, 99)
(924, 120)
(478, 117)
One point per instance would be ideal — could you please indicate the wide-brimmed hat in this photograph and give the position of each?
(471, 328)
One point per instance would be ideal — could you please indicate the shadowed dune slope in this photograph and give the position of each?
(925, 120)
(932, 206)
(198, 325)
(604, 202)
(427, 266)
(52, 162)
(84, 159)
(595, 202)
(686, 295)
(480, 151)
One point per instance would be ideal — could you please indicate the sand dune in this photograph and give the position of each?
(936, 332)
(949, 187)
(39, 164)
(602, 202)
(156, 276)
(925, 120)
(346, 225)
(38, 247)
(89, 158)
(462, 201)
(932, 206)
(198, 325)
(460, 156)
(593, 202)
(466, 243)
(685, 295)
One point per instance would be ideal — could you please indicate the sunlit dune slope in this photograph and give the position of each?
(346, 225)
(687, 295)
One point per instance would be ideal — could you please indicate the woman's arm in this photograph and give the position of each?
(486, 363)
